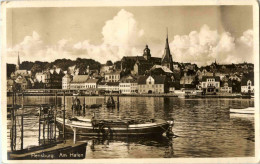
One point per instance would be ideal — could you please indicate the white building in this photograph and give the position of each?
(152, 84)
(66, 81)
(112, 76)
(43, 77)
(91, 83)
(109, 86)
(128, 85)
(247, 85)
(210, 84)
(79, 82)
(226, 87)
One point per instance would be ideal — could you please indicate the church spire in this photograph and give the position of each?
(18, 62)
(167, 57)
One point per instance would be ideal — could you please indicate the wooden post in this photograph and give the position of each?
(22, 123)
(64, 116)
(118, 102)
(56, 98)
(43, 128)
(48, 126)
(84, 107)
(75, 135)
(55, 114)
(15, 129)
(12, 123)
(39, 126)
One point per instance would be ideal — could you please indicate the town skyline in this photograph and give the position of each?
(201, 43)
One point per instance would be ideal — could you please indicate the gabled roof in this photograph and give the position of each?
(134, 58)
(164, 68)
(80, 78)
(67, 76)
(92, 80)
(128, 79)
(158, 79)
(21, 80)
(112, 73)
(109, 83)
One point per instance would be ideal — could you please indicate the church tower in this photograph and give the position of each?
(18, 63)
(167, 57)
(147, 54)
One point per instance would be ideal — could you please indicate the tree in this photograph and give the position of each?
(36, 68)
(26, 65)
(109, 63)
(10, 68)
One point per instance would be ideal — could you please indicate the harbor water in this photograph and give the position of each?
(203, 127)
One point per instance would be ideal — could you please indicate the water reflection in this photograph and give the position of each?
(204, 126)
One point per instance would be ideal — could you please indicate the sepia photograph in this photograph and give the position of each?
(135, 82)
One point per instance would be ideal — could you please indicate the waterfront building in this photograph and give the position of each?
(109, 86)
(66, 81)
(56, 76)
(153, 84)
(226, 86)
(79, 82)
(210, 84)
(112, 76)
(92, 83)
(128, 85)
(187, 81)
(247, 84)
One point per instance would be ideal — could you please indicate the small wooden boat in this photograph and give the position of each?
(94, 106)
(249, 110)
(94, 127)
(58, 150)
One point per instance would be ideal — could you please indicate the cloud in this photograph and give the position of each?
(121, 37)
(204, 46)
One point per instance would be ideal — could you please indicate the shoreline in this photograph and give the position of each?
(138, 95)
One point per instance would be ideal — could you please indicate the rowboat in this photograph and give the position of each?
(94, 127)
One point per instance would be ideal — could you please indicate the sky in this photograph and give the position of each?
(197, 34)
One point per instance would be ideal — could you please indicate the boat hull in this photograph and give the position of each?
(86, 128)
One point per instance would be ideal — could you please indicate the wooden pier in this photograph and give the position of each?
(48, 145)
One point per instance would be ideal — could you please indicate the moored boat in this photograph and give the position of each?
(249, 110)
(116, 128)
